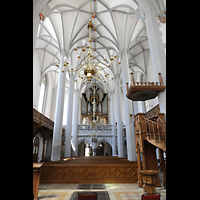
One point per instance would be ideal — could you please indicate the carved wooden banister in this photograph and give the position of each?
(132, 79)
(149, 129)
(142, 91)
(126, 87)
(146, 83)
(156, 129)
(133, 83)
(160, 79)
(153, 112)
(42, 120)
(37, 116)
(161, 120)
(149, 135)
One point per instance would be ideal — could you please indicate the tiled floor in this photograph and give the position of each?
(117, 191)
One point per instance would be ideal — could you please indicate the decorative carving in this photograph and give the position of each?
(102, 133)
(47, 122)
(149, 134)
(162, 17)
(37, 116)
(102, 172)
(35, 126)
(40, 120)
(142, 91)
(89, 173)
(153, 112)
(149, 180)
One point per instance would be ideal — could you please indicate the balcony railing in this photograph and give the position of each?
(100, 129)
(42, 120)
(152, 131)
(142, 91)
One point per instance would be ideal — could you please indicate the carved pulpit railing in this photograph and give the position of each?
(142, 91)
(152, 131)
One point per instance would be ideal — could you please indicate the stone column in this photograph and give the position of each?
(162, 6)
(157, 48)
(48, 148)
(94, 148)
(113, 124)
(120, 139)
(58, 117)
(130, 132)
(140, 104)
(68, 132)
(75, 122)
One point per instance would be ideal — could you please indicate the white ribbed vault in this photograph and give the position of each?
(118, 26)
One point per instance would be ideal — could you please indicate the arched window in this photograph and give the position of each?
(42, 95)
(35, 149)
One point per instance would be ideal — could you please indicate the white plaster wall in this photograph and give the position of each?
(164, 1)
(100, 94)
(104, 105)
(150, 77)
(88, 94)
(37, 6)
(36, 86)
(53, 102)
(36, 79)
(84, 105)
(150, 74)
(49, 96)
(162, 28)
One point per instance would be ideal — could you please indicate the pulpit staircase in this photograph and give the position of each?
(156, 132)
(150, 133)
(152, 130)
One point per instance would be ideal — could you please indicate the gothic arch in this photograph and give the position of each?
(83, 140)
(105, 140)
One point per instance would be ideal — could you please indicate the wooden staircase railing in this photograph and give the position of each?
(152, 131)
(142, 91)
(150, 134)
(156, 133)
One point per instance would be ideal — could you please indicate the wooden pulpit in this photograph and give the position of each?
(149, 180)
(36, 178)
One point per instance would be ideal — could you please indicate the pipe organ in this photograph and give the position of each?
(94, 105)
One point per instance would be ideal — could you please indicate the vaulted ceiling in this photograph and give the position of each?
(117, 24)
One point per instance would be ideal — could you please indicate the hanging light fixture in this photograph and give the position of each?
(89, 68)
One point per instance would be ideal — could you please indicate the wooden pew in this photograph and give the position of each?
(36, 178)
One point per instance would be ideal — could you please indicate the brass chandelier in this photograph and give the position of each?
(89, 67)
